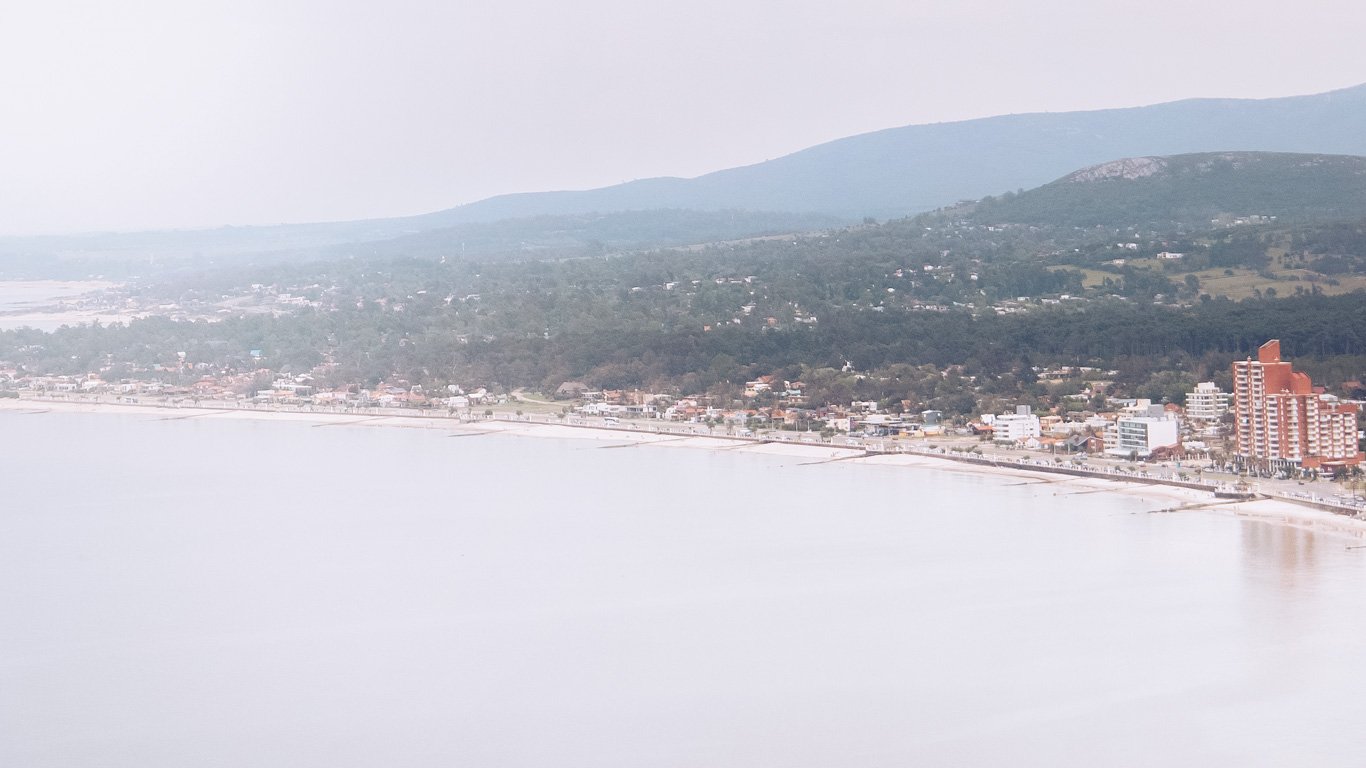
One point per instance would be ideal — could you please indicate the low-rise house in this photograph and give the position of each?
(758, 386)
(876, 424)
(570, 390)
(601, 409)
(1079, 443)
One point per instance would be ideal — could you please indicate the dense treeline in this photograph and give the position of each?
(937, 309)
(989, 344)
(373, 344)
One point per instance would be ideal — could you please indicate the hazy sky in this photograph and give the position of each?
(180, 113)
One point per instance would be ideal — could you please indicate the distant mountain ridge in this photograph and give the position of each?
(531, 237)
(888, 173)
(1191, 190)
(898, 171)
(573, 234)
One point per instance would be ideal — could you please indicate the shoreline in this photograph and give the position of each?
(1177, 498)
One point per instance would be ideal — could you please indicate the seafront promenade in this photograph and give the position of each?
(1321, 494)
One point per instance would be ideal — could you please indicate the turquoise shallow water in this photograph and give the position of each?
(191, 592)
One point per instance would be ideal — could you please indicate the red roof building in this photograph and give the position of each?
(1281, 421)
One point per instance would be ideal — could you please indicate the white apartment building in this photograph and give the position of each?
(1015, 427)
(1207, 404)
(1141, 435)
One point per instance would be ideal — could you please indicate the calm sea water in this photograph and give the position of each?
(199, 593)
(21, 300)
(25, 294)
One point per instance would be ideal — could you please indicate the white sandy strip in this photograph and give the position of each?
(235, 415)
(1298, 516)
(44, 406)
(409, 422)
(1268, 510)
(949, 465)
(561, 431)
(711, 443)
(801, 451)
(177, 412)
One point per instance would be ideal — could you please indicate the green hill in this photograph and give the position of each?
(1194, 190)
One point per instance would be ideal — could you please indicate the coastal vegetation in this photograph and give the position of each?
(954, 310)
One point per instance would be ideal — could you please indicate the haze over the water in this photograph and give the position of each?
(360, 596)
(155, 114)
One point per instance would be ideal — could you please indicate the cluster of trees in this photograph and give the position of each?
(990, 354)
(901, 303)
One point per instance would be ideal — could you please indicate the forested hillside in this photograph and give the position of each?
(1191, 191)
(949, 310)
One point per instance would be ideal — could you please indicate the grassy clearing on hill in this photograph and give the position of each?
(1239, 283)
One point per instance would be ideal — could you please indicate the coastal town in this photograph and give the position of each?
(1274, 433)
(632, 384)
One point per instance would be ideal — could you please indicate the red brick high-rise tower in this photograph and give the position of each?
(1282, 422)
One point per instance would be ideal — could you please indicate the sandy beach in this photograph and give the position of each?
(1166, 499)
